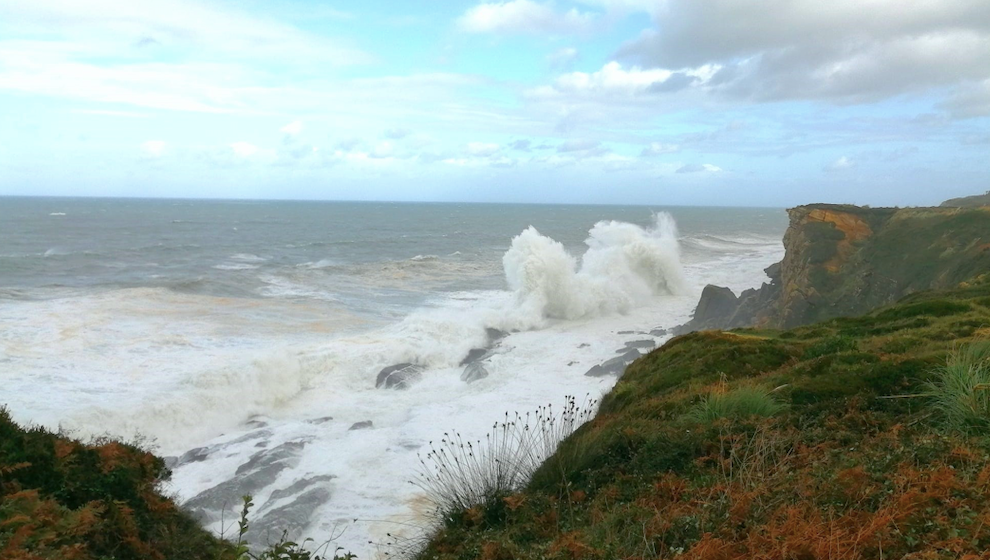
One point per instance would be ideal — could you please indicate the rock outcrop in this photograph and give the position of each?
(845, 260)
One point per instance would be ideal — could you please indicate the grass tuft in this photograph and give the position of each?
(739, 403)
(961, 388)
(458, 475)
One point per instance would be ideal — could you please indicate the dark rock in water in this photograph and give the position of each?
(596, 371)
(658, 332)
(300, 486)
(322, 420)
(716, 302)
(399, 376)
(626, 332)
(306, 496)
(361, 425)
(474, 355)
(583, 345)
(615, 366)
(473, 372)
(716, 306)
(290, 519)
(258, 472)
(194, 455)
(495, 334)
(641, 344)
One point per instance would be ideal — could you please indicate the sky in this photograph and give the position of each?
(679, 102)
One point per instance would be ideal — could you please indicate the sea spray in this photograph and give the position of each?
(624, 265)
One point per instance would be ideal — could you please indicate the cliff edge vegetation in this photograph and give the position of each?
(845, 260)
(851, 438)
(61, 499)
(968, 201)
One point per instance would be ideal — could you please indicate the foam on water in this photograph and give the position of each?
(624, 265)
(242, 376)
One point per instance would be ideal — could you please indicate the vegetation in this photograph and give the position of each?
(832, 464)
(961, 388)
(735, 404)
(459, 475)
(61, 499)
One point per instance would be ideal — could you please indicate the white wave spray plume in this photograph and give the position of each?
(624, 264)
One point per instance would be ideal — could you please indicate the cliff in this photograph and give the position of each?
(968, 201)
(845, 260)
(835, 440)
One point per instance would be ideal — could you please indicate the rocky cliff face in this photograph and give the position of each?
(846, 260)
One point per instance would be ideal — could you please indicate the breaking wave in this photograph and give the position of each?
(624, 264)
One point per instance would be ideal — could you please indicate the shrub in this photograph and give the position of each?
(961, 388)
(741, 402)
(459, 474)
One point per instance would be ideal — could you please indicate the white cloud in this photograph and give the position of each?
(482, 149)
(179, 25)
(524, 17)
(562, 58)
(699, 168)
(658, 148)
(382, 150)
(154, 148)
(244, 149)
(614, 80)
(292, 129)
(840, 164)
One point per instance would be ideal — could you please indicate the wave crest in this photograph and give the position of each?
(624, 265)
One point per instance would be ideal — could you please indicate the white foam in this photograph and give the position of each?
(189, 370)
(236, 266)
(624, 265)
(247, 257)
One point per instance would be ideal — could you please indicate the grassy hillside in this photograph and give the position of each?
(969, 201)
(825, 441)
(61, 499)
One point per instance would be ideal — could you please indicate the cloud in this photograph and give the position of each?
(699, 168)
(397, 133)
(795, 49)
(524, 17)
(841, 164)
(579, 145)
(482, 149)
(154, 148)
(521, 145)
(244, 149)
(613, 80)
(562, 58)
(970, 100)
(178, 25)
(658, 148)
(292, 129)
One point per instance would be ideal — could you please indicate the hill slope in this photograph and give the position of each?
(845, 260)
(968, 201)
(829, 466)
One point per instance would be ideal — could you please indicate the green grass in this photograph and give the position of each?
(961, 388)
(691, 456)
(736, 404)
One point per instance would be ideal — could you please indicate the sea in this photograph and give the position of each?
(242, 340)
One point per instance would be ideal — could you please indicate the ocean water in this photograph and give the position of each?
(243, 339)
